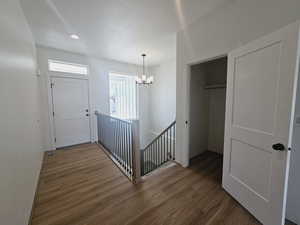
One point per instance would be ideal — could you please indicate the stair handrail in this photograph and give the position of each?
(160, 151)
(124, 152)
(161, 134)
(112, 117)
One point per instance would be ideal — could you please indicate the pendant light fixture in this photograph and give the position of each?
(144, 80)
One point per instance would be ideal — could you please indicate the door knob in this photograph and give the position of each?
(278, 147)
(87, 114)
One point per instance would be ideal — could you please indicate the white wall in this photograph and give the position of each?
(219, 33)
(162, 103)
(216, 73)
(198, 113)
(217, 101)
(20, 146)
(99, 89)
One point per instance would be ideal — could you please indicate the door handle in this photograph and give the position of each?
(278, 147)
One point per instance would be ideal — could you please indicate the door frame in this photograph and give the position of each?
(284, 31)
(186, 154)
(51, 106)
(183, 69)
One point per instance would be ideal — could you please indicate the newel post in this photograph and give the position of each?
(136, 152)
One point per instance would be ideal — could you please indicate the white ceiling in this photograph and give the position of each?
(115, 29)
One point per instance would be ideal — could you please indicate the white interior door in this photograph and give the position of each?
(71, 111)
(260, 99)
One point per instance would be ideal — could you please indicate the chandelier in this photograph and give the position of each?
(144, 80)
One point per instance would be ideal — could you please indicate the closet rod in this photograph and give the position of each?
(216, 86)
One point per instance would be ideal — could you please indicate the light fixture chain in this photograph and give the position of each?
(143, 64)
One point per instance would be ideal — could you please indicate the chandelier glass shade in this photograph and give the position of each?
(144, 79)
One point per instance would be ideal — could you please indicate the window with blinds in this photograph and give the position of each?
(122, 96)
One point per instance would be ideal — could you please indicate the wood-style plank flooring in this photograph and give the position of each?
(81, 186)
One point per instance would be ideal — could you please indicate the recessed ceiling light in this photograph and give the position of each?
(74, 36)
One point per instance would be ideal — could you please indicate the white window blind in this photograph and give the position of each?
(122, 96)
(65, 67)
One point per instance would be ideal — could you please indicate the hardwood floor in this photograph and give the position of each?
(81, 186)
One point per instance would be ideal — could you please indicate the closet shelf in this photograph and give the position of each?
(215, 86)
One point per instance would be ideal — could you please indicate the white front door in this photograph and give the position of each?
(71, 111)
(260, 98)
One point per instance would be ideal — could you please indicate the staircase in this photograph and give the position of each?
(120, 140)
(159, 151)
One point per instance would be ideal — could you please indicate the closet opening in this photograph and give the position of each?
(207, 110)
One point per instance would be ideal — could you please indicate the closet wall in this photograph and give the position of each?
(199, 110)
(207, 106)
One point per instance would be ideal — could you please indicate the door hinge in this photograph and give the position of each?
(55, 140)
(53, 114)
(51, 85)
